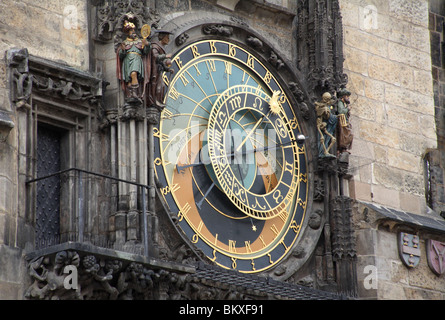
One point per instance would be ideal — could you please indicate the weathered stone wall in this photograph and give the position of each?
(390, 64)
(436, 158)
(380, 271)
(55, 30)
(388, 60)
(436, 27)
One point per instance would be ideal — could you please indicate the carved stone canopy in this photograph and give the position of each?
(31, 74)
(110, 16)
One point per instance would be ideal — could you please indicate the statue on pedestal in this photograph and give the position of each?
(344, 129)
(133, 66)
(326, 124)
(160, 62)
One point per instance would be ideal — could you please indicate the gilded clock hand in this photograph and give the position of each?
(199, 163)
(199, 203)
(181, 168)
(270, 148)
(300, 139)
(233, 144)
(252, 131)
(274, 107)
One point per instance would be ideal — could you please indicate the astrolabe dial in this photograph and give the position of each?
(273, 163)
(228, 156)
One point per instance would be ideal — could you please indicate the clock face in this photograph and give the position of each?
(228, 157)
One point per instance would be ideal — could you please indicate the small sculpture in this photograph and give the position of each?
(326, 124)
(133, 67)
(344, 130)
(160, 62)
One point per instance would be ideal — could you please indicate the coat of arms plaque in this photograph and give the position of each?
(435, 253)
(409, 251)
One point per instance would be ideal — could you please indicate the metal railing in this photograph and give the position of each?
(80, 235)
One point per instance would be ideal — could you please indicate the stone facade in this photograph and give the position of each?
(389, 66)
(394, 59)
(436, 27)
(55, 30)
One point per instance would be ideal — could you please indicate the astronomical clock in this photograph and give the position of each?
(231, 155)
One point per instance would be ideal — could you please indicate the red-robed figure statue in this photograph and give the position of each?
(160, 62)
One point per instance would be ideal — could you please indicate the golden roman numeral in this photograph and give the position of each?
(262, 240)
(212, 65)
(167, 114)
(183, 212)
(284, 215)
(247, 245)
(184, 79)
(198, 73)
(232, 246)
(274, 230)
(173, 93)
(228, 68)
(168, 189)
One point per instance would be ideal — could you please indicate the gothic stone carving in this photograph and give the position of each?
(32, 74)
(110, 15)
(320, 56)
(98, 277)
(217, 29)
(107, 277)
(21, 80)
